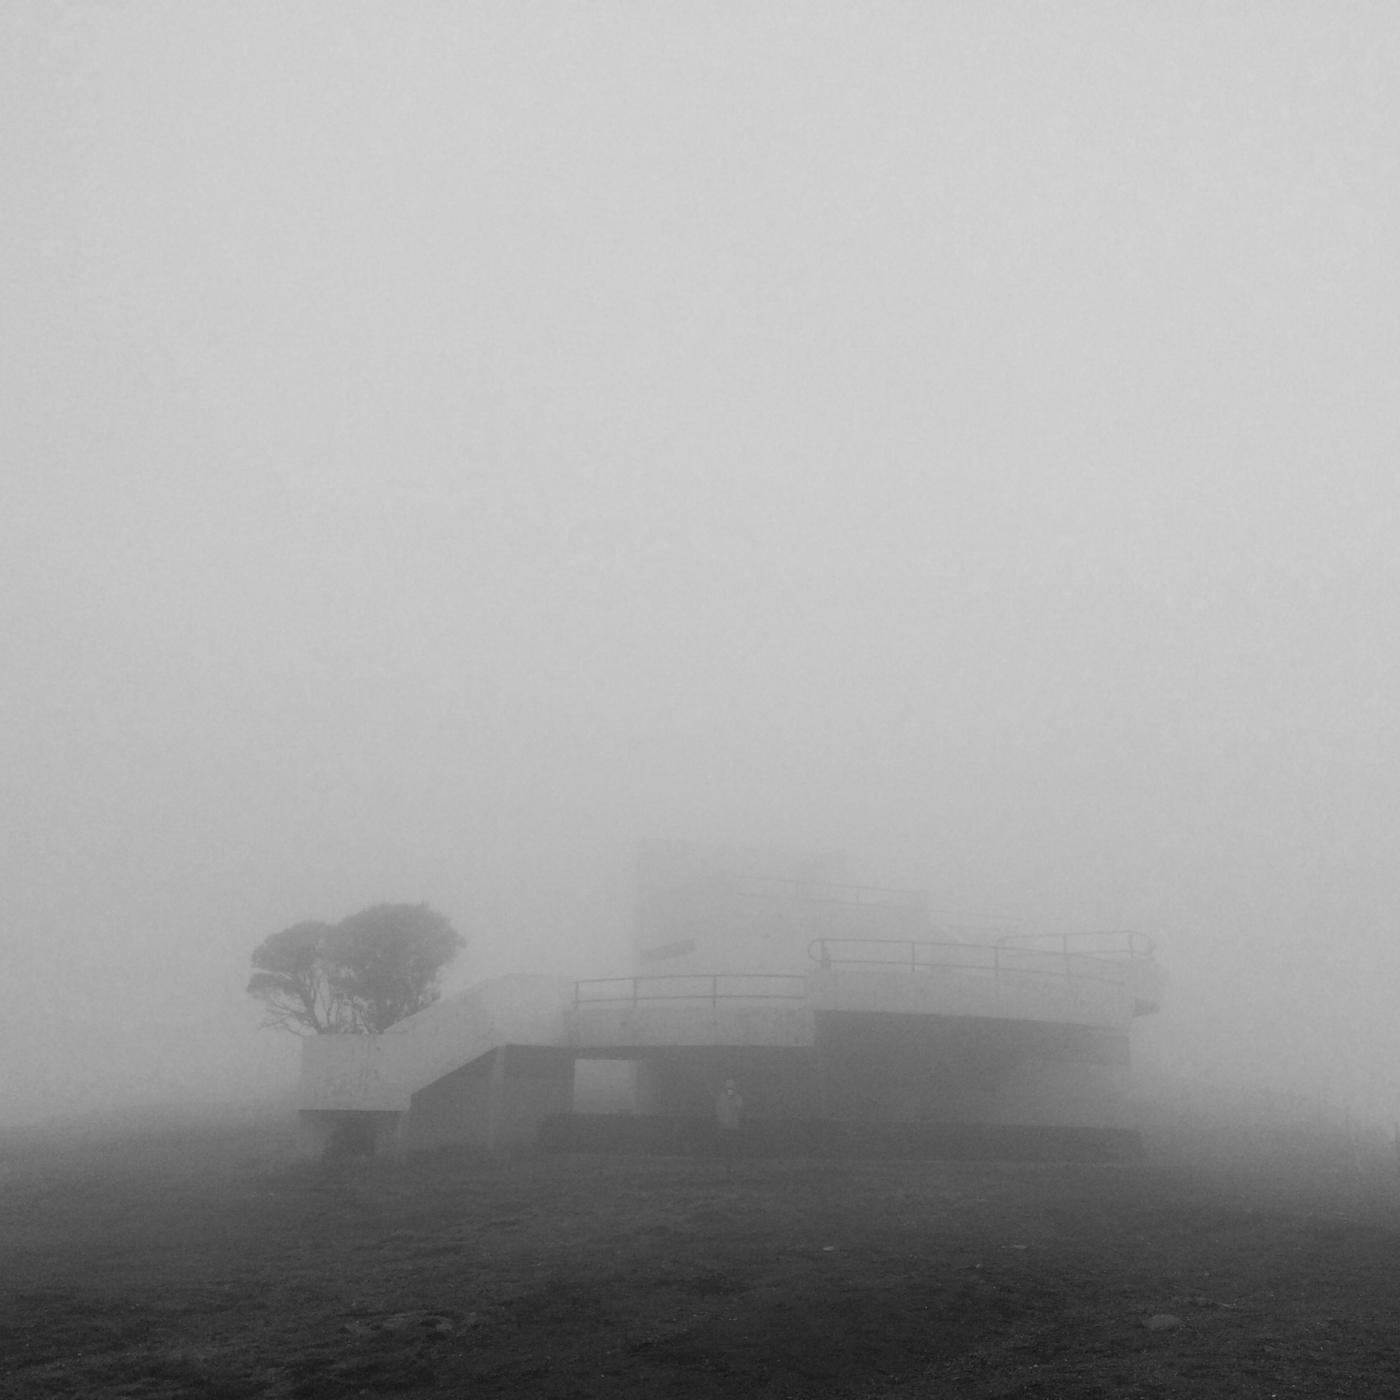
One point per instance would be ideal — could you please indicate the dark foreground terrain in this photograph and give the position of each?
(196, 1261)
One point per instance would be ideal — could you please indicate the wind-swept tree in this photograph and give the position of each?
(387, 961)
(291, 979)
(358, 976)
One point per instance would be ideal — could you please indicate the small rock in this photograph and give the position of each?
(400, 1322)
(1160, 1322)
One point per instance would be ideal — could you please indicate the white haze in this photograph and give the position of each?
(442, 445)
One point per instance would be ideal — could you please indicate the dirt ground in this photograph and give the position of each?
(200, 1262)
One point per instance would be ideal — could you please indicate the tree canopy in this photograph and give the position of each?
(355, 977)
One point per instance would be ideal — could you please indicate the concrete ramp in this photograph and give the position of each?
(381, 1073)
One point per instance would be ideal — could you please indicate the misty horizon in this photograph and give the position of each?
(442, 449)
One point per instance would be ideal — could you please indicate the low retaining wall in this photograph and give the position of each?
(967, 1142)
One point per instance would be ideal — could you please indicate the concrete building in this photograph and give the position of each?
(829, 1001)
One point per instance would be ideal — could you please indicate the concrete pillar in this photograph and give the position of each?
(313, 1132)
(351, 1132)
(528, 1083)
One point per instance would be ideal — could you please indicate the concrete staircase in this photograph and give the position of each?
(381, 1073)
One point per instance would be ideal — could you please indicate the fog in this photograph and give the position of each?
(442, 446)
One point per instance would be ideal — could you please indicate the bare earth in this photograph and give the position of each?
(197, 1262)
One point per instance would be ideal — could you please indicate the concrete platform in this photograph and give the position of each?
(889, 1031)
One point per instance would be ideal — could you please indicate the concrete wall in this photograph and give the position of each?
(605, 1086)
(499, 1100)
(917, 1068)
(1035, 992)
(331, 1133)
(904, 1069)
(618, 1029)
(454, 1110)
(535, 1083)
(851, 1065)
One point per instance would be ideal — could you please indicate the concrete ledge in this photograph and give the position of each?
(661, 1024)
(965, 1142)
(1031, 995)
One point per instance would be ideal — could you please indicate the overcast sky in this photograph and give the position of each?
(441, 445)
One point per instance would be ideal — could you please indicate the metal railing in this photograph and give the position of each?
(1009, 958)
(1086, 943)
(701, 987)
(1104, 957)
